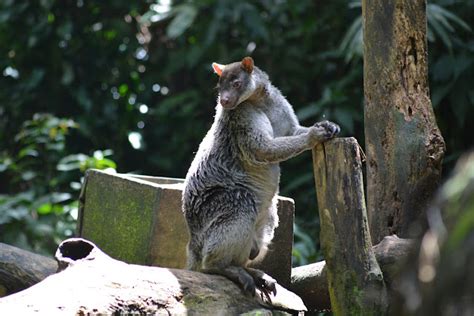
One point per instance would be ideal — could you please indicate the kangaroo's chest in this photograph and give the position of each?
(278, 118)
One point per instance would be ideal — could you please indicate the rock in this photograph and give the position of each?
(138, 219)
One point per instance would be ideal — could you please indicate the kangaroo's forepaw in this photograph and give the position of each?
(327, 129)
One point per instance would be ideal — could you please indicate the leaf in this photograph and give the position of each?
(184, 17)
(438, 94)
(83, 98)
(462, 63)
(5, 163)
(76, 186)
(430, 35)
(297, 182)
(45, 209)
(442, 70)
(355, 4)
(59, 197)
(68, 74)
(71, 162)
(107, 152)
(50, 202)
(47, 4)
(308, 111)
(438, 15)
(58, 147)
(104, 164)
(212, 30)
(174, 102)
(123, 89)
(28, 151)
(5, 15)
(352, 39)
(439, 29)
(28, 175)
(253, 20)
(17, 213)
(65, 29)
(35, 78)
(434, 8)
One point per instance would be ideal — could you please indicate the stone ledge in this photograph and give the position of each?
(138, 219)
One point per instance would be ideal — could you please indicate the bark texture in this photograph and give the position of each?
(310, 281)
(355, 280)
(20, 269)
(94, 283)
(404, 146)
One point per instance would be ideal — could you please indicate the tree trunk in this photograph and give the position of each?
(356, 285)
(94, 283)
(20, 269)
(404, 146)
(310, 281)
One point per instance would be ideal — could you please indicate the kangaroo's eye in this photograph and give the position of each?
(236, 84)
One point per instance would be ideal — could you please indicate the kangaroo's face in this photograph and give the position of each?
(235, 82)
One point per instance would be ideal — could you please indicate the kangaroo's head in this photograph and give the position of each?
(236, 83)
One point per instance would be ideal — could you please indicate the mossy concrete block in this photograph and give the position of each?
(277, 262)
(133, 219)
(138, 219)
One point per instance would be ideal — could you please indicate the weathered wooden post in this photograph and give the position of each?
(404, 146)
(356, 285)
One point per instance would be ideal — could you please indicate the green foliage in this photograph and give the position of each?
(304, 247)
(440, 272)
(135, 76)
(440, 25)
(39, 208)
(458, 213)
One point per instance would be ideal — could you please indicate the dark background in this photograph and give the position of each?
(128, 85)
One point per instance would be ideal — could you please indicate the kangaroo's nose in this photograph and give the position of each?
(225, 101)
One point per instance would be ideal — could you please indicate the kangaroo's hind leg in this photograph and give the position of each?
(263, 281)
(228, 239)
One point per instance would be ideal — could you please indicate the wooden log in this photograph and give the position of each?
(93, 283)
(404, 145)
(310, 281)
(20, 269)
(356, 285)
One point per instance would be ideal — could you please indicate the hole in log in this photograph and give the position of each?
(410, 111)
(76, 249)
(390, 222)
(372, 164)
(413, 49)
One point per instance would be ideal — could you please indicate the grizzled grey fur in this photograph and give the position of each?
(229, 199)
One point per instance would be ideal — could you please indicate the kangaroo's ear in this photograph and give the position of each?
(247, 64)
(218, 68)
